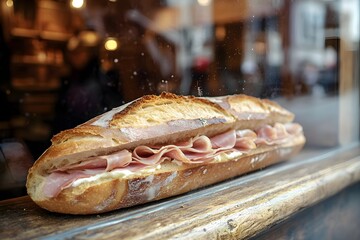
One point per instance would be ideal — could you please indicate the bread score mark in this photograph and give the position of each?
(197, 150)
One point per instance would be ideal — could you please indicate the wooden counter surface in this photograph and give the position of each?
(239, 208)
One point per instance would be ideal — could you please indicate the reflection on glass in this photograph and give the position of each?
(88, 56)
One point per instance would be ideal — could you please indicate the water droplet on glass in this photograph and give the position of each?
(200, 92)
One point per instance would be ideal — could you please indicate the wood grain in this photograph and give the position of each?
(333, 218)
(239, 208)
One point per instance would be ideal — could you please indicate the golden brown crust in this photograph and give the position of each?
(120, 119)
(248, 108)
(88, 130)
(117, 193)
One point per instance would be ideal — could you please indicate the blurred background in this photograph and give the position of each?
(63, 62)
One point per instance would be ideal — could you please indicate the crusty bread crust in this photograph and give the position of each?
(112, 194)
(152, 120)
(251, 112)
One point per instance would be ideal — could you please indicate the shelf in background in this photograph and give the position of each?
(40, 34)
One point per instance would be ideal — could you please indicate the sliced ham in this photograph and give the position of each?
(118, 160)
(108, 162)
(293, 128)
(147, 155)
(199, 149)
(246, 133)
(244, 144)
(196, 148)
(224, 141)
(281, 131)
(277, 134)
(91, 163)
(267, 132)
(58, 181)
(245, 139)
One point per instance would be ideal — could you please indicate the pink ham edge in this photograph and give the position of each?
(64, 177)
(118, 160)
(293, 128)
(108, 162)
(196, 147)
(225, 140)
(245, 139)
(246, 133)
(58, 181)
(279, 133)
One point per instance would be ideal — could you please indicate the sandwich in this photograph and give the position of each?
(160, 146)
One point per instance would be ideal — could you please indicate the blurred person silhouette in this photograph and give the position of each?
(86, 91)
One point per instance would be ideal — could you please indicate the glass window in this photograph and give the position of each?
(64, 62)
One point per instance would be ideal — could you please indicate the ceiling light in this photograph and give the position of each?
(9, 3)
(111, 44)
(77, 3)
(203, 2)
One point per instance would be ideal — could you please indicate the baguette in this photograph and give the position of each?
(163, 124)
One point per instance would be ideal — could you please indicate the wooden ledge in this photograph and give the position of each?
(239, 208)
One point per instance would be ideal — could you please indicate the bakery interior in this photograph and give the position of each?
(63, 62)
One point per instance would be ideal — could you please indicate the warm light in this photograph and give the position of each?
(77, 3)
(89, 38)
(204, 2)
(220, 33)
(111, 44)
(9, 3)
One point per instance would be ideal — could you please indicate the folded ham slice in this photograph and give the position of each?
(109, 162)
(277, 134)
(58, 181)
